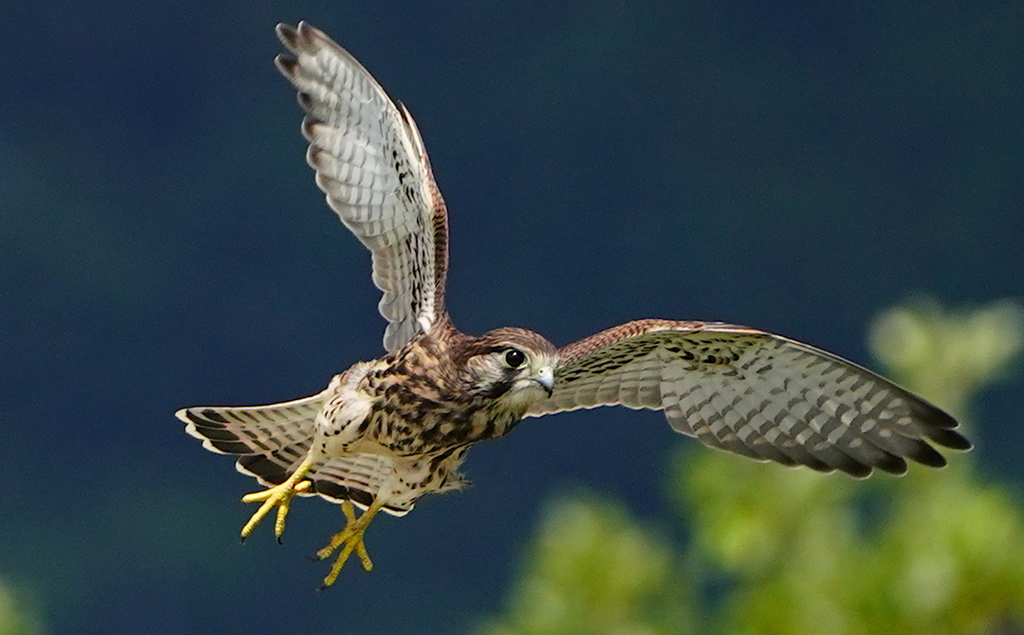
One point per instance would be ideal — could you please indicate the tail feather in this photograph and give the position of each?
(272, 440)
(357, 478)
(253, 430)
(272, 468)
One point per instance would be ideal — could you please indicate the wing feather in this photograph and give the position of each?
(752, 393)
(372, 166)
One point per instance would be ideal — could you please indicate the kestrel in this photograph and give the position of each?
(388, 431)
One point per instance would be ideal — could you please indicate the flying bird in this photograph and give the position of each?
(386, 432)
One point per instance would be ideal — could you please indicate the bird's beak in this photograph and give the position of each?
(546, 378)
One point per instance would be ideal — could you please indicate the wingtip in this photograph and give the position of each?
(309, 124)
(951, 439)
(286, 64)
(892, 464)
(308, 32)
(299, 36)
(287, 34)
(860, 471)
(929, 456)
(941, 427)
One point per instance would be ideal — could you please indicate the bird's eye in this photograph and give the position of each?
(515, 358)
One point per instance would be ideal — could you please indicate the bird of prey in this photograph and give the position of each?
(386, 432)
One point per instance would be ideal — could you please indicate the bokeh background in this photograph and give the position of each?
(796, 166)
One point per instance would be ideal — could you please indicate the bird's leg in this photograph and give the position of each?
(279, 496)
(350, 539)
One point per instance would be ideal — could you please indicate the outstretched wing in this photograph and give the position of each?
(371, 163)
(753, 393)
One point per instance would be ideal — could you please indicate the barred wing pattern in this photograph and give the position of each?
(356, 477)
(371, 163)
(271, 441)
(753, 393)
(254, 430)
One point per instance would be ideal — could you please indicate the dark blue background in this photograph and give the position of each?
(794, 166)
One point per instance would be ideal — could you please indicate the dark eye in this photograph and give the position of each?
(515, 358)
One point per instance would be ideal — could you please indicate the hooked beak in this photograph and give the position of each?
(546, 378)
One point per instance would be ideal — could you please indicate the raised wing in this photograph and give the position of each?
(753, 393)
(371, 163)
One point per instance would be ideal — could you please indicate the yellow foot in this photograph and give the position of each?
(279, 496)
(349, 539)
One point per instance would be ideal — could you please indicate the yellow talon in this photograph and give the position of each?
(279, 496)
(349, 539)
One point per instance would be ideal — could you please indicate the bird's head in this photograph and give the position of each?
(514, 366)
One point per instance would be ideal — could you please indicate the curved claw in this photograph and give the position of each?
(349, 539)
(279, 496)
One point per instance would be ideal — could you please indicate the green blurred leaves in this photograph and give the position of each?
(948, 356)
(15, 619)
(781, 551)
(593, 569)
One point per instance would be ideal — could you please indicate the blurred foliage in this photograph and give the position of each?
(948, 356)
(780, 551)
(594, 570)
(15, 619)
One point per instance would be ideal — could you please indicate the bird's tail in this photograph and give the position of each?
(271, 440)
(358, 478)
